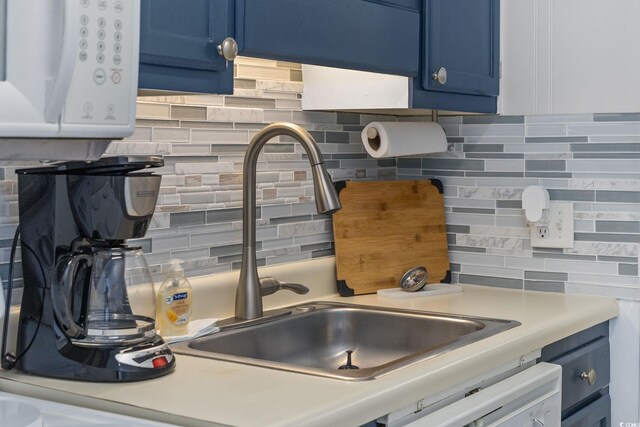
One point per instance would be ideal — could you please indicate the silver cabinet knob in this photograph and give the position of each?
(440, 76)
(228, 49)
(589, 376)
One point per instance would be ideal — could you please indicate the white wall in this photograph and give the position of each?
(625, 369)
(570, 56)
(2, 36)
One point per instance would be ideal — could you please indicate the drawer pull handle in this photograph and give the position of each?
(589, 377)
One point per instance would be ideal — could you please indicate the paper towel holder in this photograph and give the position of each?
(396, 139)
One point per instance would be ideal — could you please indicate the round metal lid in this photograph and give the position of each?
(414, 279)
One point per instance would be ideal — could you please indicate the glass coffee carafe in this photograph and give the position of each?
(105, 296)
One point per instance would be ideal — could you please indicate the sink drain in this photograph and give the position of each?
(349, 365)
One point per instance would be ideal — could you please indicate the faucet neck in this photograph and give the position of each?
(248, 297)
(250, 166)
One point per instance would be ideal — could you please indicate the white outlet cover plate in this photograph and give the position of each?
(560, 228)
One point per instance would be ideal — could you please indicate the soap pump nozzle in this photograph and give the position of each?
(175, 268)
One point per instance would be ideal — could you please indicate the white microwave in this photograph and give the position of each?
(68, 69)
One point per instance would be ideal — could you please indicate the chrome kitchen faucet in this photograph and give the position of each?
(250, 288)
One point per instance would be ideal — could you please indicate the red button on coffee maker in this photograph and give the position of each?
(160, 362)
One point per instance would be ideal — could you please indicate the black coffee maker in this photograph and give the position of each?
(88, 306)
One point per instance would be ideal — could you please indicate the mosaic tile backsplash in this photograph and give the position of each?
(591, 160)
(203, 139)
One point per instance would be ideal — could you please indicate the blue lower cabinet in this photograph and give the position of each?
(178, 45)
(377, 36)
(585, 361)
(595, 414)
(577, 366)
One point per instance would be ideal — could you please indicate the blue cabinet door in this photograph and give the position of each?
(463, 37)
(178, 45)
(595, 414)
(583, 404)
(379, 36)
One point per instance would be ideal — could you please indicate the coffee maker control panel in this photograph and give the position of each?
(152, 358)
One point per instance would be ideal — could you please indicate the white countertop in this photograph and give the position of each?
(204, 392)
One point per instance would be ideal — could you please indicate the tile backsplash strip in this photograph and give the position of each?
(590, 160)
(593, 161)
(203, 139)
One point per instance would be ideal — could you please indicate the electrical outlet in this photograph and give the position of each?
(558, 232)
(542, 232)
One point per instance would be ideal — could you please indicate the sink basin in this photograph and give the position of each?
(314, 338)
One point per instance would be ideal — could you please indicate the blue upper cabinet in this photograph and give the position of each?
(371, 35)
(460, 56)
(448, 49)
(461, 37)
(178, 45)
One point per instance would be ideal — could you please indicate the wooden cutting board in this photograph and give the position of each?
(386, 228)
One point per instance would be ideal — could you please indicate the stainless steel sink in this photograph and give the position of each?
(314, 338)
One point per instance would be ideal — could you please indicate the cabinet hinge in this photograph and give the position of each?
(500, 69)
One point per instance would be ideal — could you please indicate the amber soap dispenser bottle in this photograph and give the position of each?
(173, 304)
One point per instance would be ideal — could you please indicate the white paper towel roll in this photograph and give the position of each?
(391, 139)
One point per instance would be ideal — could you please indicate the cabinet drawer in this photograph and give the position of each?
(596, 414)
(363, 35)
(594, 355)
(570, 343)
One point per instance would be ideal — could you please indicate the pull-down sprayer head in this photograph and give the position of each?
(325, 194)
(248, 296)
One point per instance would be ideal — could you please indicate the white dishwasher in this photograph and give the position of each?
(21, 411)
(530, 398)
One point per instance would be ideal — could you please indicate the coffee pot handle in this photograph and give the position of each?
(62, 289)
